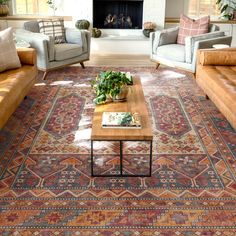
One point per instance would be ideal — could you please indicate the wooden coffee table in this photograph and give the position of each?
(135, 103)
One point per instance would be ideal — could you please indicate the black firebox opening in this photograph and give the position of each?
(118, 14)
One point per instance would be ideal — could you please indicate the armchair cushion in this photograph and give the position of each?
(163, 37)
(32, 26)
(8, 54)
(54, 28)
(218, 57)
(173, 52)
(77, 37)
(66, 51)
(73, 36)
(169, 36)
(190, 27)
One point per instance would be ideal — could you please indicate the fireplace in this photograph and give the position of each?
(118, 14)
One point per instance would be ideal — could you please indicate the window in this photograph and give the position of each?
(22, 7)
(201, 7)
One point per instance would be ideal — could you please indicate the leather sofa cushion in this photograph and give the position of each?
(14, 85)
(13, 81)
(219, 83)
(28, 58)
(221, 57)
(66, 51)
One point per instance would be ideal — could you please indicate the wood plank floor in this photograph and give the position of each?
(119, 60)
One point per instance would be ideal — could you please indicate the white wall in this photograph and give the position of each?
(174, 8)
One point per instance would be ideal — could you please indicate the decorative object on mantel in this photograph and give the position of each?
(96, 33)
(4, 10)
(227, 9)
(82, 24)
(148, 27)
(111, 85)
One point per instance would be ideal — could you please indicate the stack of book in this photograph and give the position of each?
(121, 120)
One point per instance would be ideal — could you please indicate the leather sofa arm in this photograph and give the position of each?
(217, 57)
(27, 56)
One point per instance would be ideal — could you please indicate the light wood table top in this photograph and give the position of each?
(135, 103)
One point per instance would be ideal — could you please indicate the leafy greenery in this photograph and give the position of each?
(3, 2)
(108, 84)
(226, 7)
(52, 4)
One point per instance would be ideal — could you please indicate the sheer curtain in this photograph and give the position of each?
(37, 7)
(197, 8)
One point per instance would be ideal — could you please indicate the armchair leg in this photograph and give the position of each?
(207, 97)
(82, 65)
(157, 65)
(44, 75)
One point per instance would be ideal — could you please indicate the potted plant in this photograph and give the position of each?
(111, 85)
(4, 10)
(227, 8)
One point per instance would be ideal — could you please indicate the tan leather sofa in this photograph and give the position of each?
(16, 83)
(216, 75)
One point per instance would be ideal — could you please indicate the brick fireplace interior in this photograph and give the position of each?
(118, 14)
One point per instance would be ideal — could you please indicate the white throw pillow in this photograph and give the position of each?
(54, 28)
(8, 55)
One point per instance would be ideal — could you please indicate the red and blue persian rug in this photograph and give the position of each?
(46, 186)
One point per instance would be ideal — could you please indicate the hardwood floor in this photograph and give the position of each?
(119, 60)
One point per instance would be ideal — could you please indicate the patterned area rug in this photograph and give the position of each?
(45, 182)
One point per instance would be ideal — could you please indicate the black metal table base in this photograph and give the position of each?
(121, 162)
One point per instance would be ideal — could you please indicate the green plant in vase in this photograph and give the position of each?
(52, 5)
(111, 85)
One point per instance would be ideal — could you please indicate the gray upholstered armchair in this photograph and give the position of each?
(165, 50)
(51, 56)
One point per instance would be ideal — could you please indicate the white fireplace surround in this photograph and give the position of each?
(122, 41)
(153, 10)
